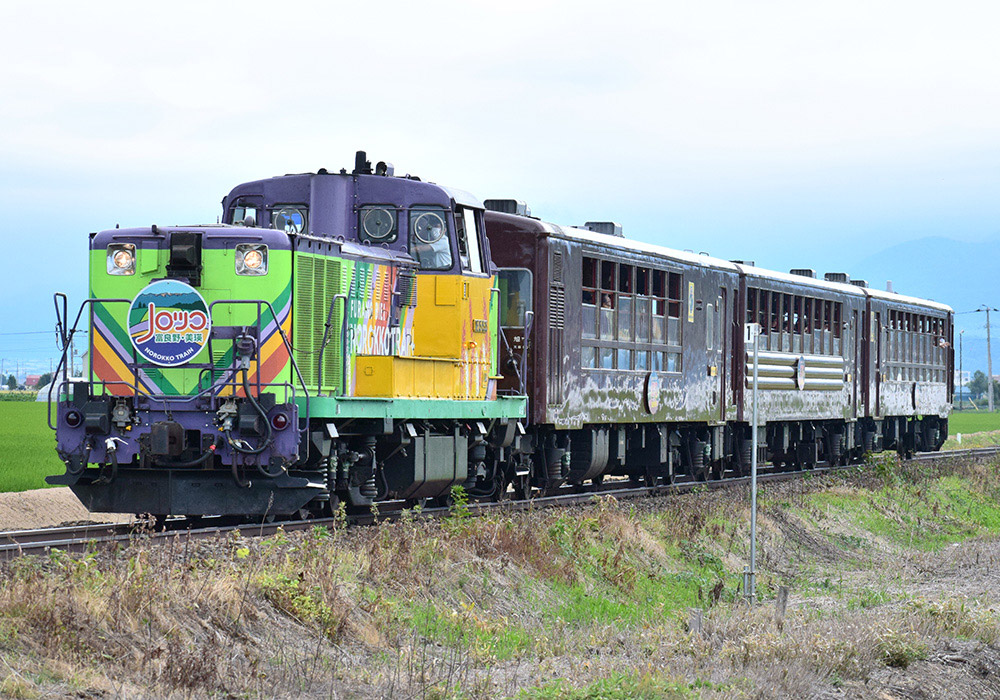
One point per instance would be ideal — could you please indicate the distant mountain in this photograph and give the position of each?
(958, 273)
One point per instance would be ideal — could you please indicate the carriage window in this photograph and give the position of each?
(624, 303)
(709, 326)
(608, 275)
(837, 328)
(675, 282)
(643, 308)
(429, 242)
(589, 318)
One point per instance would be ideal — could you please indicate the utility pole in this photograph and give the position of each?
(989, 359)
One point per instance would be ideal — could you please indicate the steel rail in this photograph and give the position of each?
(81, 538)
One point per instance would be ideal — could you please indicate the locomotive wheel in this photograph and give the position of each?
(651, 476)
(522, 487)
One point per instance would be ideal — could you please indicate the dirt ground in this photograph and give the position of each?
(24, 510)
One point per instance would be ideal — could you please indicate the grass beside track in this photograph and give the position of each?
(584, 602)
(27, 447)
(973, 422)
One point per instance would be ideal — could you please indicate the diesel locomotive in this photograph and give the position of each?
(360, 336)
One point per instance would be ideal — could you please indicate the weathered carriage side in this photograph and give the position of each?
(808, 363)
(638, 363)
(909, 380)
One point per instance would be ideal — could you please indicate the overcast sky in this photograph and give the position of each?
(797, 134)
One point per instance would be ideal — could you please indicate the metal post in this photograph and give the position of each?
(961, 374)
(753, 332)
(989, 360)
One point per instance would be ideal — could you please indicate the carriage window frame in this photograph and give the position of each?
(795, 323)
(914, 350)
(611, 287)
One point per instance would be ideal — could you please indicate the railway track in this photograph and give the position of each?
(81, 538)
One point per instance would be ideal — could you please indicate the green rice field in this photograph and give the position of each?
(973, 422)
(27, 447)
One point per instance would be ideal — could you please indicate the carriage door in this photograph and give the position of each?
(877, 337)
(515, 316)
(724, 349)
(855, 337)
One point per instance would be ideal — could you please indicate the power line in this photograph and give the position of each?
(38, 332)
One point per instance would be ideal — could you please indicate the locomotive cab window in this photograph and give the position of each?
(469, 249)
(429, 242)
(378, 223)
(244, 215)
(288, 218)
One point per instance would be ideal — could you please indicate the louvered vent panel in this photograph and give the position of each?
(557, 267)
(557, 307)
(333, 358)
(303, 318)
(317, 282)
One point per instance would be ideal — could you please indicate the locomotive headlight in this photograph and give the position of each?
(251, 259)
(121, 259)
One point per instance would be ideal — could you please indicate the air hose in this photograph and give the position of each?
(267, 424)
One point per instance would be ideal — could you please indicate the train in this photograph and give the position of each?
(358, 337)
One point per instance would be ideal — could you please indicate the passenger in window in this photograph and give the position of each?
(606, 302)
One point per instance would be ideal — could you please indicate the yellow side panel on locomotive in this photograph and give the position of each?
(452, 348)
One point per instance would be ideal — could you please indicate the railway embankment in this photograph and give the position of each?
(890, 576)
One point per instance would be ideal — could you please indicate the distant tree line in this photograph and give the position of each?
(980, 385)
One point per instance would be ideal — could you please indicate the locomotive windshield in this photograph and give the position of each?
(429, 242)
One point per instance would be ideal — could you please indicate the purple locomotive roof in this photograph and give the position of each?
(331, 198)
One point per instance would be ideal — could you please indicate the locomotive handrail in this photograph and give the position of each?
(322, 347)
(67, 338)
(529, 322)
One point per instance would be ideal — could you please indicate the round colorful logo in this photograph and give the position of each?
(168, 323)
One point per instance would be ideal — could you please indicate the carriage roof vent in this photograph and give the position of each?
(608, 228)
(860, 283)
(748, 263)
(803, 272)
(508, 206)
(841, 277)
